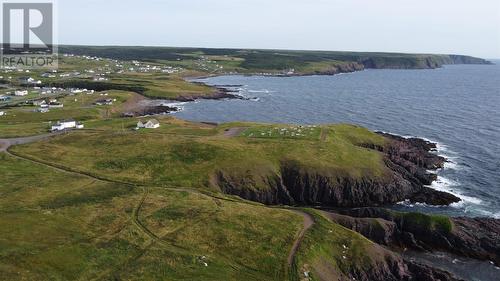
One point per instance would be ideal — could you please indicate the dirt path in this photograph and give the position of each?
(308, 223)
(324, 134)
(234, 132)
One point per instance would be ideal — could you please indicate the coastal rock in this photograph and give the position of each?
(378, 230)
(408, 161)
(477, 238)
(383, 265)
(218, 94)
(421, 272)
(344, 67)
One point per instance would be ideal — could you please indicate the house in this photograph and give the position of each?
(151, 124)
(29, 81)
(63, 125)
(77, 91)
(39, 102)
(21, 93)
(66, 124)
(2, 113)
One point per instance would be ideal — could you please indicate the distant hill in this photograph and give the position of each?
(300, 62)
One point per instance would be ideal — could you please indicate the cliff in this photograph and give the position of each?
(407, 162)
(469, 237)
(418, 61)
(276, 61)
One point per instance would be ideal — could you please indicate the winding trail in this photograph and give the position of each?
(5, 144)
(308, 223)
(324, 134)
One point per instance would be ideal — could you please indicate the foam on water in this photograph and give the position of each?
(264, 91)
(447, 185)
(178, 105)
(417, 103)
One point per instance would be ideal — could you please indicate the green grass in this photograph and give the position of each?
(418, 222)
(60, 226)
(190, 155)
(25, 121)
(54, 226)
(283, 132)
(332, 252)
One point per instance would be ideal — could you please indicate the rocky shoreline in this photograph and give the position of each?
(359, 205)
(477, 238)
(219, 93)
(408, 160)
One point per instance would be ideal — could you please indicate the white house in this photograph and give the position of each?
(151, 124)
(66, 124)
(39, 102)
(63, 125)
(29, 80)
(21, 93)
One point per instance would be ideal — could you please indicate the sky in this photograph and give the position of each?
(413, 26)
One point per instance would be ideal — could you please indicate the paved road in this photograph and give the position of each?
(6, 143)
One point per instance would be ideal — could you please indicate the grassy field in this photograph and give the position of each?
(184, 155)
(331, 252)
(63, 226)
(60, 226)
(112, 203)
(24, 120)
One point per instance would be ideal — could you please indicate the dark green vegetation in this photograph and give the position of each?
(419, 222)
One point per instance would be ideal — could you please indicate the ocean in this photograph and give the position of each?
(457, 106)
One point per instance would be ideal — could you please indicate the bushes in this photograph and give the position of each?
(418, 222)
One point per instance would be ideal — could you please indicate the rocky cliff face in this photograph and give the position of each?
(407, 160)
(381, 265)
(343, 67)
(458, 59)
(418, 61)
(469, 237)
